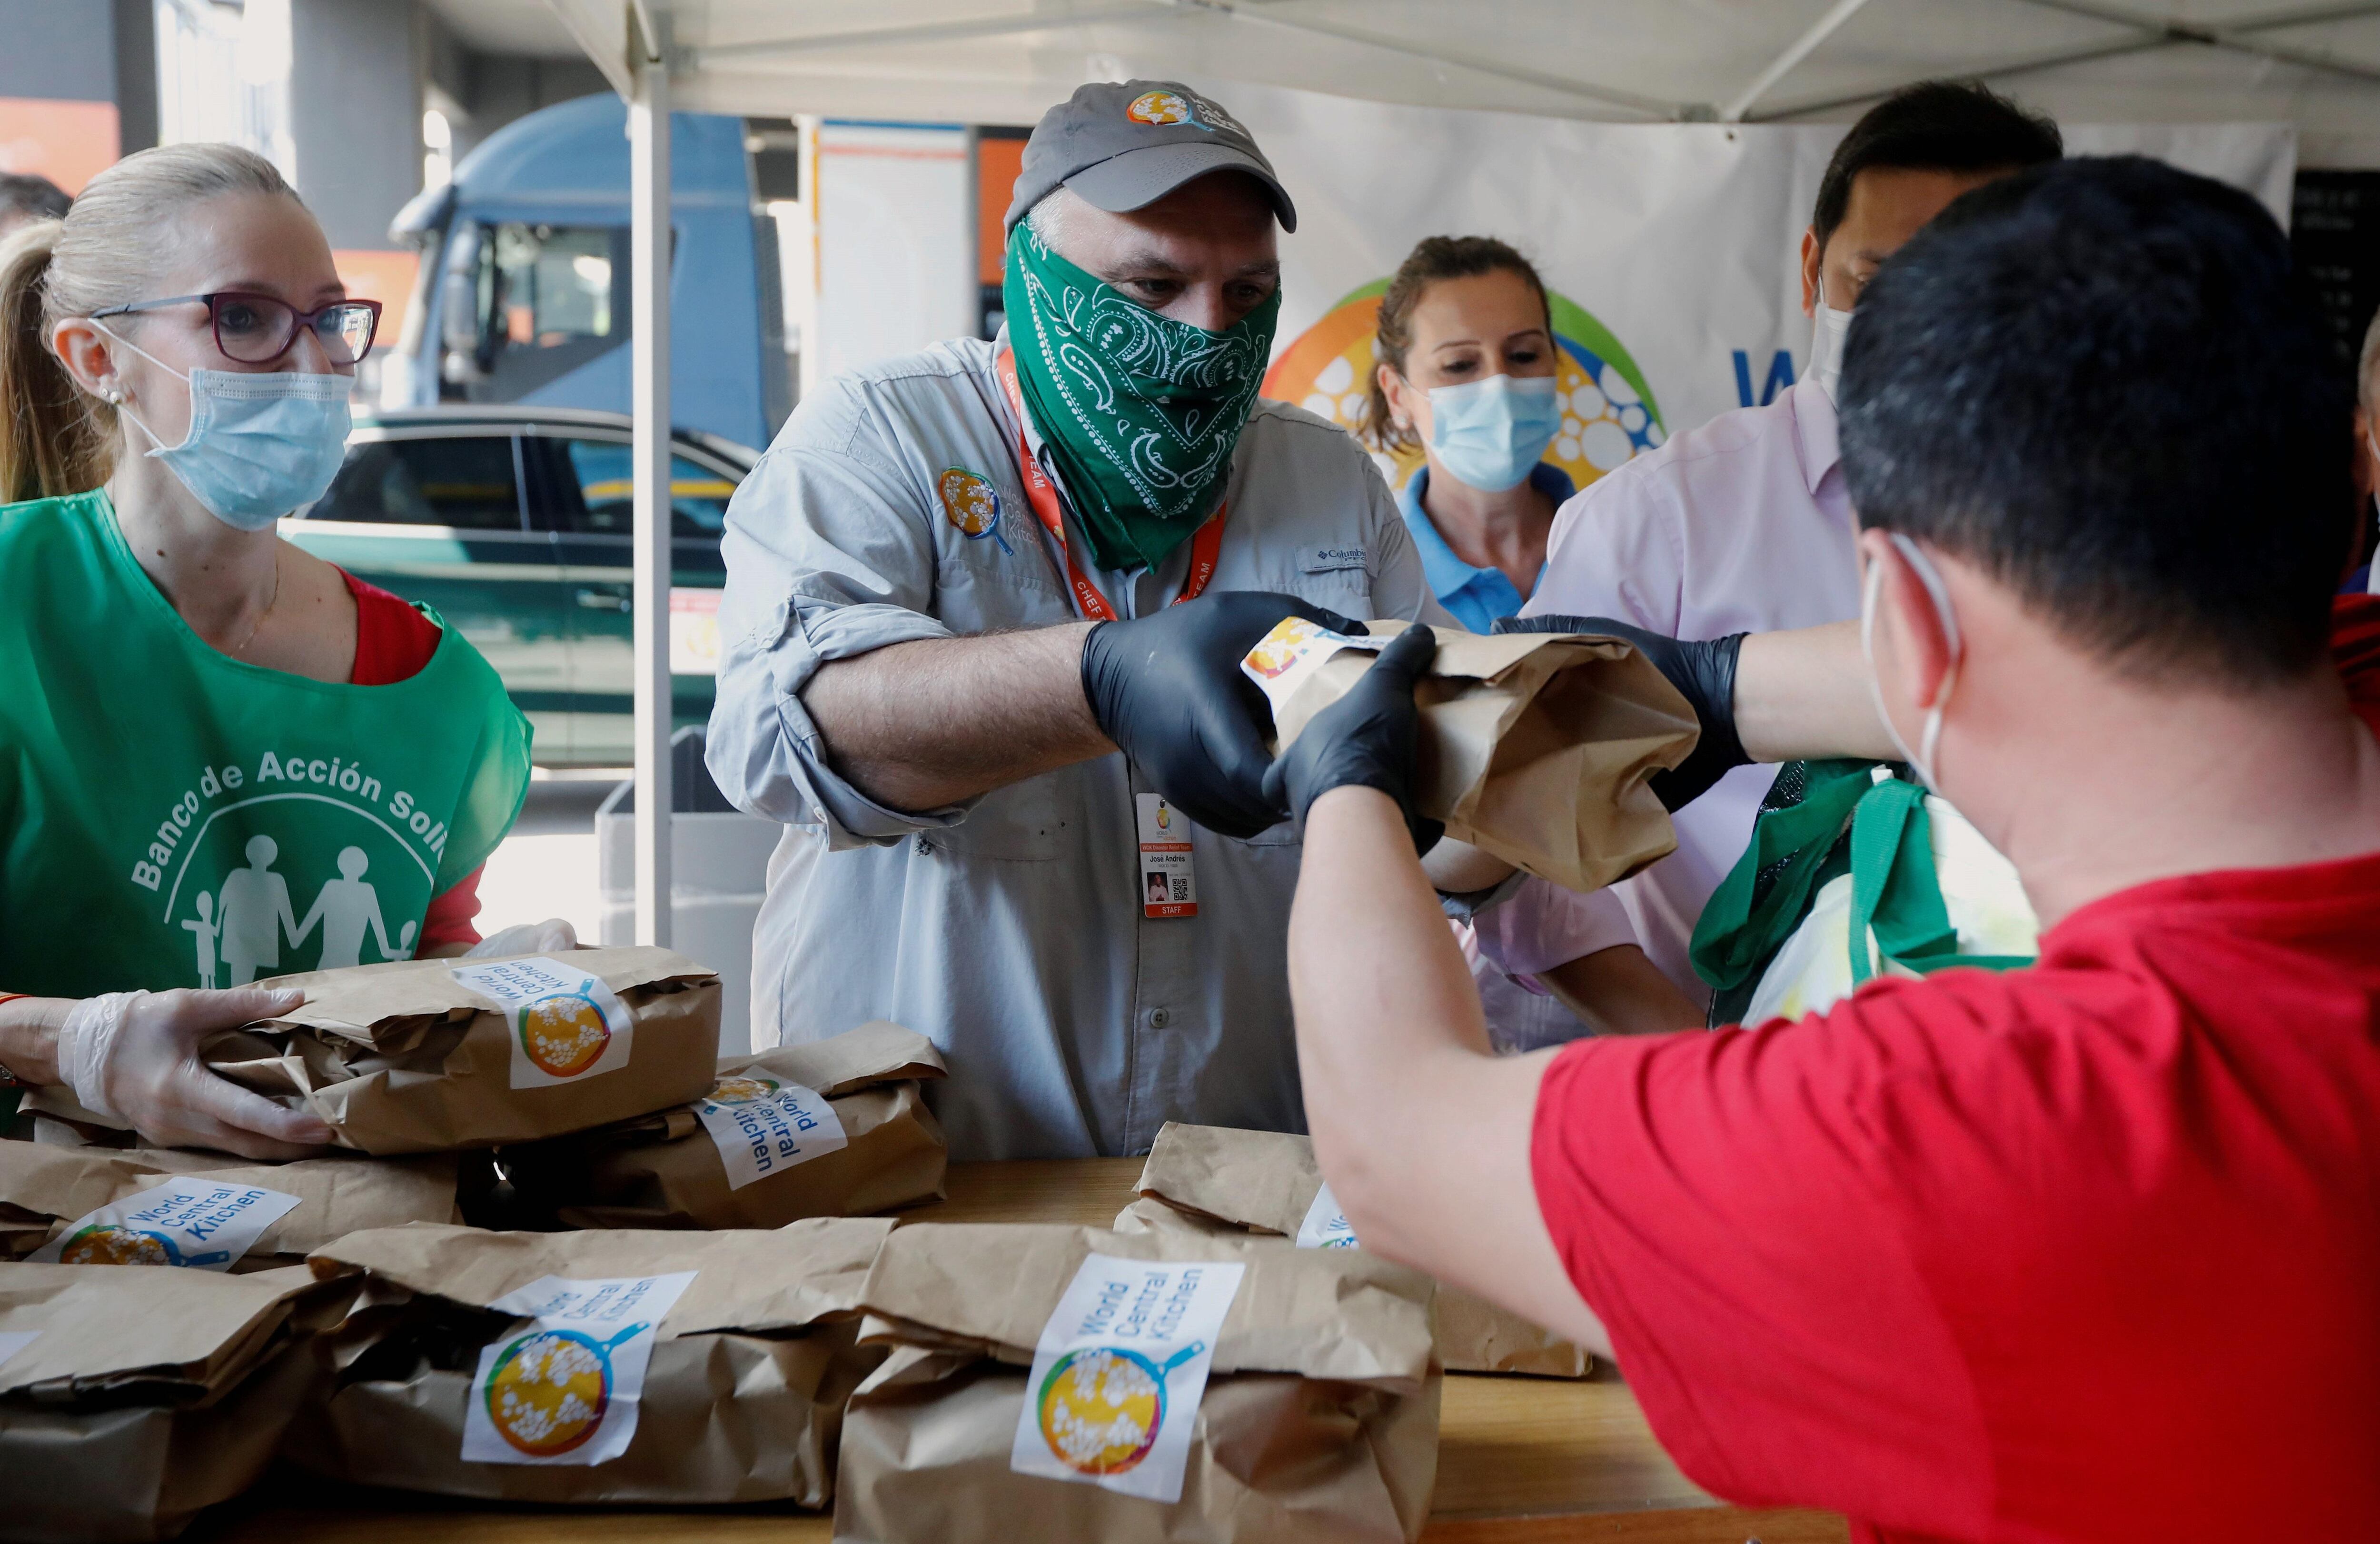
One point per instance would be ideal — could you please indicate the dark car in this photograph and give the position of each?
(513, 523)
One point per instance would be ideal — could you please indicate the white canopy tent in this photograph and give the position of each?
(982, 61)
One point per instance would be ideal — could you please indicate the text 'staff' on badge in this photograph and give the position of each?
(562, 1386)
(1118, 1373)
(565, 1024)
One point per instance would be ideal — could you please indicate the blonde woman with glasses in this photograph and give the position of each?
(221, 758)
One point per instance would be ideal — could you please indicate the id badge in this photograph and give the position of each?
(1168, 888)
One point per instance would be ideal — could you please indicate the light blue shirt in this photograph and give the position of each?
(1009, 929)
(1476, 596)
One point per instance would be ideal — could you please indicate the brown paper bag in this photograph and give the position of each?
(1318, 1420)
(675, 1169)
(405, 1057)
(1209, 1179)
(1537, 748)
(45, 1187)
(741, 1399)
(137, 1397)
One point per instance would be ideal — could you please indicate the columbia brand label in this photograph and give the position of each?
(1119, 1371)
(1169, 883)
(1286, 658)
(186, 1220)
(1326, 1227)
(1330, 560)
(562, 1386)
(566, 1026)
(763, 1126)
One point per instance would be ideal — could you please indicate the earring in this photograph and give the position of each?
(115, 394)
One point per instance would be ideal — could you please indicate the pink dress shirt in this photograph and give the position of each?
(1739, 526)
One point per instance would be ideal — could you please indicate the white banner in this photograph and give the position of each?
(1672, 250)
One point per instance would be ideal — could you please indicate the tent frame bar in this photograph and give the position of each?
(648, 398)
(1798, 49)
(2149, 32)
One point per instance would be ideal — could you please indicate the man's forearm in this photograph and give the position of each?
(924, 725)
(1803, 695)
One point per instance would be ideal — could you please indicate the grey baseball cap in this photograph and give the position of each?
(1123, 147)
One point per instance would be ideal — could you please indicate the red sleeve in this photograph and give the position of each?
(448, 920)
(393, 639)
(1727, 1205)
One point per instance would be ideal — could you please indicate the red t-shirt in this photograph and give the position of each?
(2088, 1251)
(392, 643)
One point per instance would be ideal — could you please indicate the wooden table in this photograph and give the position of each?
(1521, 1460)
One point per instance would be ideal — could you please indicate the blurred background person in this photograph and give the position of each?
(2367, 452)
(25, 198)
(1466, 361)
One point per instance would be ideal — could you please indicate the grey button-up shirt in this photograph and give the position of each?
(1010, 929)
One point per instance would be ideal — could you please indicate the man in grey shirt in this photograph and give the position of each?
(982, 609)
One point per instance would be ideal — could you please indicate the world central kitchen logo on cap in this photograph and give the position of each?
(1609, 414)
(972, 504)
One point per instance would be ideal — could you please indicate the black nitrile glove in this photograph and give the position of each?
(1703, 673)
(1366, 738)
(1169, 689)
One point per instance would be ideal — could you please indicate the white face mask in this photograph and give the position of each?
(2374, 441)
(1920, 760)
(260, 446)
(1828, 328)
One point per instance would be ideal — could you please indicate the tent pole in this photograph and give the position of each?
(649, 246)
(1799, 49)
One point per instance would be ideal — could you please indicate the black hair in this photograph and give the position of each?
(35, 197)
(1935, 126)
(2102, 382)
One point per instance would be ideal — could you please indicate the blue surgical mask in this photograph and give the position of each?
(1488, 433)
(1921, 760)
(260, 446)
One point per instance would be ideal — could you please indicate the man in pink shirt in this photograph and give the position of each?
(1742, 524)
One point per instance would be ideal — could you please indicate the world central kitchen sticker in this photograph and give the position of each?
(185, 1222)
(762, 1126)
(565, 1024)
(1119, 1371)
(562, 1386)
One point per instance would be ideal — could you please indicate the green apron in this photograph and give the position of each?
(171, 817)
(1822, 820)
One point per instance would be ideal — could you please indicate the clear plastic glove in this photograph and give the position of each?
(134, 1056)
(526, 938)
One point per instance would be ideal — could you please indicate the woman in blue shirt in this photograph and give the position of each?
(1466, 361)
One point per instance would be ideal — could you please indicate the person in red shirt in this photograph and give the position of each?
(2083, 1251)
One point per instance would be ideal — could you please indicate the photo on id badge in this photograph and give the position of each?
(1168, 885)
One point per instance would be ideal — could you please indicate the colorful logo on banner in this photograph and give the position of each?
(1609, 414)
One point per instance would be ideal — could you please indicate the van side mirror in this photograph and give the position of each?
(458, 312)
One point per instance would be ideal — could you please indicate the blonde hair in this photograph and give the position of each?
(108, 250)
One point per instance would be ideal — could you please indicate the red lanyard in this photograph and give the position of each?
(1043, 495)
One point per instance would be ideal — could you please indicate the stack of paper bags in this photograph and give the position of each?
(440, 1054)
(1207, 1179)
(682, 1368)
(836, 1127)
(130, 1399)
(1068, 1384)
(148, 1206)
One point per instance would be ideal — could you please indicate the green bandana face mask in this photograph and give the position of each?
(1141, 412)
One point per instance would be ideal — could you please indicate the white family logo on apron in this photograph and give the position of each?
(1326, 1227)
(563, 1388)
(565, 1024)
(1119, 1371)
(186, 1220)
(762, 1126)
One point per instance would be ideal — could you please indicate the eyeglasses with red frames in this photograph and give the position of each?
(260, 328)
